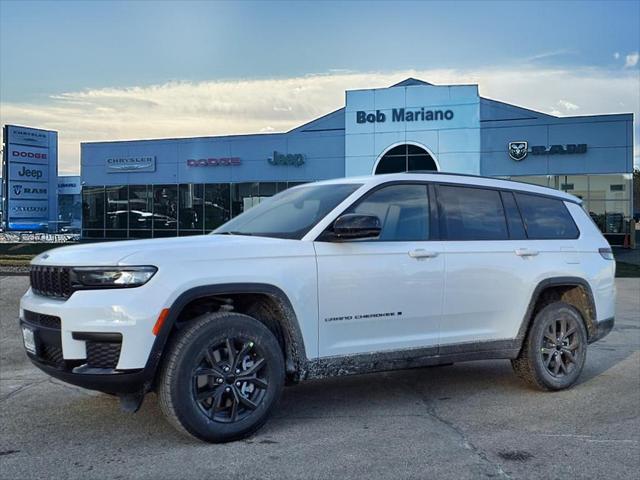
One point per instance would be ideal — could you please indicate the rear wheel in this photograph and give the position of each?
(222, 376)
(555, 349)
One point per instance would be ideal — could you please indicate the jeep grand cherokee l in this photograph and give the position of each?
(338, 277)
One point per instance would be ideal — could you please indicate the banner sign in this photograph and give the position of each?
(20, 237)
(30, 170)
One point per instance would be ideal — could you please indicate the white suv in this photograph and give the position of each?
(331, 278)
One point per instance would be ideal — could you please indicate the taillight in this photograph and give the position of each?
(606, 253)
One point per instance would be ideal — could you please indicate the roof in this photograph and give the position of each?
(408, 82)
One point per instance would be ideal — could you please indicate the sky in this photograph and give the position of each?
(110, 70)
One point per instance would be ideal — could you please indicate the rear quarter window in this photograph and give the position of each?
(546, 218)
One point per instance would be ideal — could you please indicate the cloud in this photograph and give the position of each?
(550, 54)
(184, 109)
(631, 60)
(568, 105)
(616, 55)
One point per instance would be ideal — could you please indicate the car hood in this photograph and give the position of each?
(161, 250)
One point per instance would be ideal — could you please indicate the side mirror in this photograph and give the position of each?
(351, 226)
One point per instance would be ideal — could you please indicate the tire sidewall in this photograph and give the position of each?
(187, 411)
(536, 335)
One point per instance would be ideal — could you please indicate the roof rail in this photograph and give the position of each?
(434, 172)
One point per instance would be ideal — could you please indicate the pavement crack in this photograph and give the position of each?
(21, 389)
(464, 440)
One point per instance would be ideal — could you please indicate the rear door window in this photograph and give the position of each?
(546, 218)
(471, 213)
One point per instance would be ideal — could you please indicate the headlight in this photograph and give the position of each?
(111, 277)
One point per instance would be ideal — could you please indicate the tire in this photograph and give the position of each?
(553, 365)
(217, 397)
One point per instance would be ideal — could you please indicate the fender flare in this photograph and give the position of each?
(295, 354)
(589, 320)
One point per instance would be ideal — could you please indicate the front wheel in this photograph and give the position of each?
(555, 349)
(222, 376)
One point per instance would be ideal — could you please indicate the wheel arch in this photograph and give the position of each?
(292, 339)
(575, 291)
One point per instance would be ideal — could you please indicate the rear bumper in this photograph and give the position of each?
(603, 328)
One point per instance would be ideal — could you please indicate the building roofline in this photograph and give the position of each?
(518, 106)
(175, 139)
(314, 120)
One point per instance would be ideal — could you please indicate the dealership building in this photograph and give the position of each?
(188, 186)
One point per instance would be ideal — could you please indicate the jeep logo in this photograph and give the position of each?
(294, 159)
(30, 172)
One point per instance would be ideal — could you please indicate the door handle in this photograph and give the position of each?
(421, 253)
(526, 252)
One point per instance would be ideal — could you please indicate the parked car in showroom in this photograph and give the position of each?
(337, 277)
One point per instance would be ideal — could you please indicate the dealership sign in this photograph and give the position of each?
(214, 162)
(69, 185)
(519, 150)
(293, 159)
(28, 136)
(29, 176)
(404, 115)
(29, 191)
(131, 164)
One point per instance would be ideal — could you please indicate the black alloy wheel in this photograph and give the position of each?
(554, 351)
(222, 376)
(561, 345)
(229, 382)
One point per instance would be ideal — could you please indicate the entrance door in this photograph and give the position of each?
(385, 293)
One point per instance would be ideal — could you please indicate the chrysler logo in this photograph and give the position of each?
(518, 150)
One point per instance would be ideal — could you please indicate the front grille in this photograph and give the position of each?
(42, 320)
(51, 281)
(103, 354)
(52, 354)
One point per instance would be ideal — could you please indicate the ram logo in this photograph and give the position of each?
(17, 189)
(518, 150)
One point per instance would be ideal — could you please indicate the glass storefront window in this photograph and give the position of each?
(93, 207)
(149, 211)
(541, 180)
(577, 185)
(165, 209)
(217, 205)
(117, 208)
(191, 208)
(403, 158)
(140, 207)
(610, 187)
(69, 212)
(609, 215)
(243, 197)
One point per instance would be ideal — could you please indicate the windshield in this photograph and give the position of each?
(290, 214)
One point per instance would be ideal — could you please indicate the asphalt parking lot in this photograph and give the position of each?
(469, 420)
